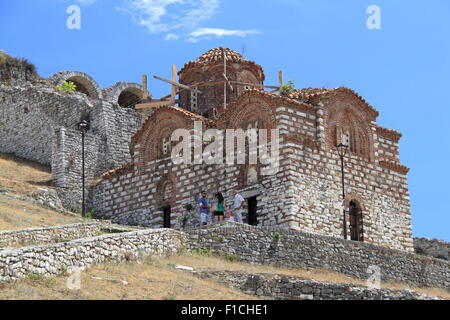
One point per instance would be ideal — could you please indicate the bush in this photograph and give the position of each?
(205, 252)
(67, 86)
(277, 236)
(287, 88)
(90, 214)
(7, 62)
(16, 68)
(231, 257)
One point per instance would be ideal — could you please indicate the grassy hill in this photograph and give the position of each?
(18, 179)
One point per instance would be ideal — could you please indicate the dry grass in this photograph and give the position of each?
(24, 177)
(150, 280)
(157, 279)
(317, 274)
(19, 214)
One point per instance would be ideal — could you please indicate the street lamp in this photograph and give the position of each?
(342, 151)
(83, 125)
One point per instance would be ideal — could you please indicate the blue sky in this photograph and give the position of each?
(402, 69)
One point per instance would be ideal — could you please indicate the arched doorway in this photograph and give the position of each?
(356, 221)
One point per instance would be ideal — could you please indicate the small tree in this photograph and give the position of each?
(287, 88)
(67, 86)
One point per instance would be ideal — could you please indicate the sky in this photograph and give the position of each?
(401, 68)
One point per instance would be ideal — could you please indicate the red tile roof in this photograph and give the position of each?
(216, 55)
(308, 94)
(119, 171)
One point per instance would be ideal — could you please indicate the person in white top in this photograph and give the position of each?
(238, 205)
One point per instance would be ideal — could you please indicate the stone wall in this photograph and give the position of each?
(58, 258)
(432, 247)
(293, 249)
(281, 287)
(45, 235)
(39, 123)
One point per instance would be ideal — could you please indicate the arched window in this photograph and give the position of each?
(351, 134)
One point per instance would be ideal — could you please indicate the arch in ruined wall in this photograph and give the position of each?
(84, 82)
(125, 94)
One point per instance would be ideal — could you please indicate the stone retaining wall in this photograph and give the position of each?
(281, 287)
(432, 247)
(58, 258)
(47, 235)
(293, 249)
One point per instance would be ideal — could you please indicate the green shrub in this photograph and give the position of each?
(90, 214)
(287, 88)
(75, 210)
(205, 252)
(231, 257)
(277, 236)
(67, 86)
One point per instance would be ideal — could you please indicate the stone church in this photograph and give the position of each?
(304, 194)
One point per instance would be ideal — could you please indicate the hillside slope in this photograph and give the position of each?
(19, 179)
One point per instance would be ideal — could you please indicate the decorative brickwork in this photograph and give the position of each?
(210, 68)
(304, 194)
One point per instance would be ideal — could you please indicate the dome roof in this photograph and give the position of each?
(216, 55)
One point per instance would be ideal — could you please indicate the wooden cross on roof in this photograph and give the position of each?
(178, 87)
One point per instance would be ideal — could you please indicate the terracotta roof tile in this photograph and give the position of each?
(126, 168)
(216, 55)
(308, 94)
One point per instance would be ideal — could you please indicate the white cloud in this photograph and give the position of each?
(86, 2)
(178, 17)
(165, 15)
(219, 33)
(171, 37)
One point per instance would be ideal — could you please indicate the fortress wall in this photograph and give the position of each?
(29, 114)
(46, 235)
(39, 123)
(277, 246)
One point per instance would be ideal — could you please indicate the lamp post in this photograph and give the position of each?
(342, 151)
(83, 127)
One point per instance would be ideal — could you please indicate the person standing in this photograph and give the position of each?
(238, 205)
(203, 208)
(220, 207)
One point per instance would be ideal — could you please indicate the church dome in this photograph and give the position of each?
(207, 74)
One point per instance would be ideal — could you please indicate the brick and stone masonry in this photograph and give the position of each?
(40, 123)
(305, 194)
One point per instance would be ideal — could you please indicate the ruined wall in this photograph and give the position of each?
(55, 259)
(39, 236)
(39, 123)
(293, 249)
(29, 115)
(281, 287)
